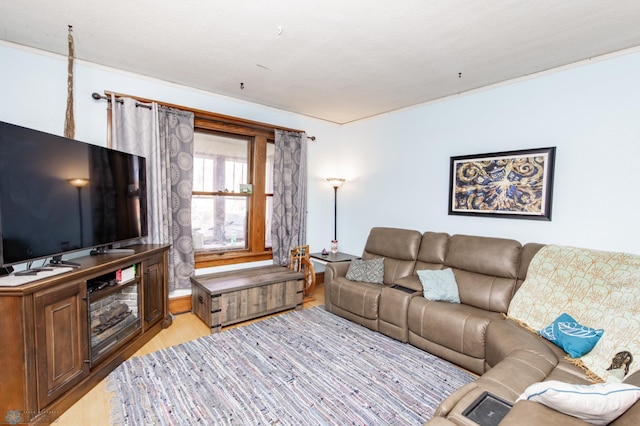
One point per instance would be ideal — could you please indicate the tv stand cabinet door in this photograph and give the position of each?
(61, 339)
(154, 290)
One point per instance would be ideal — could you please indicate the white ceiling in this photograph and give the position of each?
(338, 60)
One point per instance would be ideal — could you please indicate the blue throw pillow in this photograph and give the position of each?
(439, 285)
(574, 338)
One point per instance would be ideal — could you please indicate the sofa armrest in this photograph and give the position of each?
(412, 282)
(452, 400)
(332, 271)
(336, 269)
(505, 336)
(529, 413)
(439, 421)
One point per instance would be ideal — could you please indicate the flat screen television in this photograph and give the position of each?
(59, 195)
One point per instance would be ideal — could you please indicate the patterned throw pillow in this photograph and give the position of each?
(367, 271)
(575, 339)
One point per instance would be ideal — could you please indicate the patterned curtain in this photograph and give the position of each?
(289, 225)
(176, 139)
(134, 129)
(164, 136)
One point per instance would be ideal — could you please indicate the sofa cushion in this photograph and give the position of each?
(439, 285)
(597, 404)
(458, 327)
(575, 339)
(498, 257)
(527, 253)
(367, 271)
(433, 248)
(484, 291)
(486, 270)
(398, 247)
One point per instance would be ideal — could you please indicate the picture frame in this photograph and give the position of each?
(246, 188)
(509, 184)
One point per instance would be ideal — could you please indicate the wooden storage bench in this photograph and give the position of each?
(229, 297)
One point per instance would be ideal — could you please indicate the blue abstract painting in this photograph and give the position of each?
(516, 183)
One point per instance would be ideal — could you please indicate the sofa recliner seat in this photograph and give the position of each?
(486, 270)
(359, 301)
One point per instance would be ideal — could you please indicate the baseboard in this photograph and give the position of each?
(180, 304)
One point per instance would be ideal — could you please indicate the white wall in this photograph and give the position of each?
(33, 91)
(398, 163)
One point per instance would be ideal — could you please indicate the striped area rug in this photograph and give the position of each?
(306, 367)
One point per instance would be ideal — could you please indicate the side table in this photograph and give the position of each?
(333, 257)
(321, 260)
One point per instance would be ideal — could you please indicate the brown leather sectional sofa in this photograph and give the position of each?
(473, 334)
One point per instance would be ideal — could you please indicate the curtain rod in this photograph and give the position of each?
(97, 96)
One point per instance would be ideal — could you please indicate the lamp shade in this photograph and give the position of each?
(335, 182)
(78, 182)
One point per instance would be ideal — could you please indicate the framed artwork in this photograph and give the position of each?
(512, 184)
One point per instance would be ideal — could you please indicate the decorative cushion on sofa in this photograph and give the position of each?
(439, 285)
(597, 404)
(575, 339)
(368, 271)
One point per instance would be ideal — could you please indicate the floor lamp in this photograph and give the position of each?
(335, 182)
(80, 183)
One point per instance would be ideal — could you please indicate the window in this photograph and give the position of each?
(219, 205)
(232, 194)
(229, 225)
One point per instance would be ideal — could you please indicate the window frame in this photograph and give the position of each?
(256, 250)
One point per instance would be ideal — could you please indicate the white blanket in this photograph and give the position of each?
(598, 289)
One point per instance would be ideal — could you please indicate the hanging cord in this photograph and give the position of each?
(69, 122)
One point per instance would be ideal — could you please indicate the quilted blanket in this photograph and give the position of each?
(598, 289)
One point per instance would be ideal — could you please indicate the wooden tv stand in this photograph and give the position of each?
(47, 359)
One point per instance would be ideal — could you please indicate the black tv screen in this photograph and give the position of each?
(59, 195)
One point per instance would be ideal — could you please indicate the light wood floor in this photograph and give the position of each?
(93, 409)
